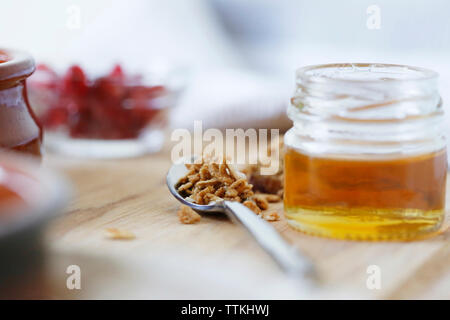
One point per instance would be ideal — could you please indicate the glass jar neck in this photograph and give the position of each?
(354, 108)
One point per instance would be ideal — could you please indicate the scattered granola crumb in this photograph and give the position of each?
(261, 202)
(252, 206)
(119, 234)
(266, 183)
(188, 216)
(271, 198)
(271, 216)
(280, 193)
(272, 184)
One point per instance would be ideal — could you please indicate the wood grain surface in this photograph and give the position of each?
(211, 259)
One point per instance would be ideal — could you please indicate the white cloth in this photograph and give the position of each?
(233, 99)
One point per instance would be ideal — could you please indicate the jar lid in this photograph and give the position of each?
(15, 64)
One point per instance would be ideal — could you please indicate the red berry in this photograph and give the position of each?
(117, 73)
(115, 106)
(75, 81)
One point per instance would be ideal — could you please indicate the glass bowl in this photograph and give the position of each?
(114, 115)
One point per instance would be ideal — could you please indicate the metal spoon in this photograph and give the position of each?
(287, 257)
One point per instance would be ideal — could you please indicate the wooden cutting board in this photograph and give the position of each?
(211, 259)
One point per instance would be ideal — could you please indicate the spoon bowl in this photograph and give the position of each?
(176, 172)
(287, 256)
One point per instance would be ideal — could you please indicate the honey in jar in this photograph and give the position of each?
(366, 158)
(19, 128)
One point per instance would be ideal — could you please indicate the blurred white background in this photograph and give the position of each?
(239, 38)
(269, 35)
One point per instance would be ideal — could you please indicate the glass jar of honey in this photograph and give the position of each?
(366, 156)
(19, 129)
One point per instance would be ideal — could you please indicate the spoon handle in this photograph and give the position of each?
(287, 256)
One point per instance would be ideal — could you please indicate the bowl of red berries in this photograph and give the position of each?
(114, 115)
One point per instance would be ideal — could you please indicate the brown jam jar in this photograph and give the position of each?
(19, 128)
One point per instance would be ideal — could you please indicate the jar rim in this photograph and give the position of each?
(305, 73)
(19, 65)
